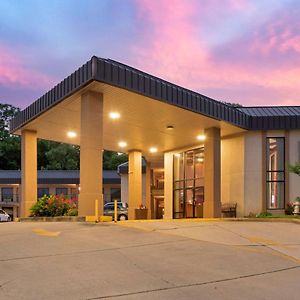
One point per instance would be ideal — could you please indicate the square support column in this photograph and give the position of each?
(212, 173)
(148, 190)
(29, 171)
(168, 186)
(134, 182)
(91, 145)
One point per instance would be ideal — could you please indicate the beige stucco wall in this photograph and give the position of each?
(294, 156)
(232, 172)
(242, 172)
(254, 173)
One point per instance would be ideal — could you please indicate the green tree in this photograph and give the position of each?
(62, 157)
(295, 168)
(111, 160)
(7, 111)
(10, 154)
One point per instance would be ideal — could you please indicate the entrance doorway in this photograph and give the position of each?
(188, 196)
(160, 206)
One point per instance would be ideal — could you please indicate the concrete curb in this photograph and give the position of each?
(280, 220)
(51, 219)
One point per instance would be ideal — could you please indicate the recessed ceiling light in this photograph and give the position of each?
(201, 137)
(170, 127)
(114, 115)
(122, 144)
(71, 134)
(153, 149)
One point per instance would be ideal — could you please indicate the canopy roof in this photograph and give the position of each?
(125, 77)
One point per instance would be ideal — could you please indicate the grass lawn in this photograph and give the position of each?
(278, 216)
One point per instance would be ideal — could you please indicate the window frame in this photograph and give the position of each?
(279, 171)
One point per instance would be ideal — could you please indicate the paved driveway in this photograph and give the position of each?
(150, 260)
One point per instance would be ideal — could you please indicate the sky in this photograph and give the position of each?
(237, 51)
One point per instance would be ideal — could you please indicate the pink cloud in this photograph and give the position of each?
(173, 47)
(14, 71)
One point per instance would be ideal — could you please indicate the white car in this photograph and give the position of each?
(4, 216)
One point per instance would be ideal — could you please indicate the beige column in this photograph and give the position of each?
(212, 174)
(168, 186)
(148, 190)
(134, 182)
(29, 171)
(91, 135)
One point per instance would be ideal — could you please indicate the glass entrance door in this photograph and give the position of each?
(188, 195)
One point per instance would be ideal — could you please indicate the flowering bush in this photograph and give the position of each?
(54, 206)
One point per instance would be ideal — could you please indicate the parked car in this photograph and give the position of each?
(4, 216)
(109, 210)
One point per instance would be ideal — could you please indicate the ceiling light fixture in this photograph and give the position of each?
(71, 134)
(201, 137)
(170, 127)
(153, 149)
(114, 115)
(122, 144)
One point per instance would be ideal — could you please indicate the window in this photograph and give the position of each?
(115, 194)
(7, 195)
(74, 193)
(188, 195)
(42, 192)
(62, 191)
(275, 173)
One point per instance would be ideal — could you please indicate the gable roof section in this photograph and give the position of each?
(120, 75)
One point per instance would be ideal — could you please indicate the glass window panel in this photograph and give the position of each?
(189, 165)
(275, 176)
(178, 184)
(199, 182)
(178, 201)
(199, 163)
(275, 154)
(199, 195)
(189, 183)
(189, 204)
(178, 167)
(42, 192)
(275, 195)
(7, 195)
(199, 200)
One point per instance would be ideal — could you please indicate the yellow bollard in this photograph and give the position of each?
(116, 211)
(96, 210)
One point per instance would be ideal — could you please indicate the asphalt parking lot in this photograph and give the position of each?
(150, 260)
